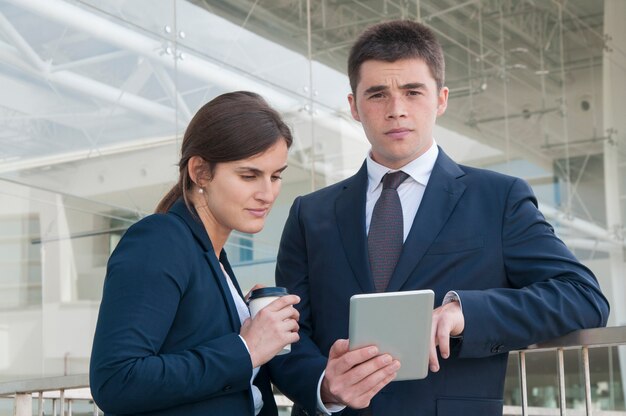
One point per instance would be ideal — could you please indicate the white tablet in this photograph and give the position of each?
(398, 323)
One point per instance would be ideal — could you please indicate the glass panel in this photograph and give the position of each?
(96, 96)
(543, 384)
(512, 383)
(152, 16)
(250, 48)
(88, 90)
(55, 249)
(20, 261)
(6, 406)
(243, 54)
(607, 391)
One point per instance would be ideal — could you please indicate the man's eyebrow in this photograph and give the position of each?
(376, 88)
(410, 86)
(413, 86)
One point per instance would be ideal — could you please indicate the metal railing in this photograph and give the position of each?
(63, 390)
(67, 389)
(581, 340)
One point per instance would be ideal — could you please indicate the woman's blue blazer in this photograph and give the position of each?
(166, 341)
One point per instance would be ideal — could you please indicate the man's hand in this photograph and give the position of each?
(352, 378)
(448, 321)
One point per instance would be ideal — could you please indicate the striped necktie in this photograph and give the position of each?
(386, 234)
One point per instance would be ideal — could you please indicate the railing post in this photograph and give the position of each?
(23, 404)
(585, 353)
(561, 366)
(40, 404)
(62, 402)
(522, 375)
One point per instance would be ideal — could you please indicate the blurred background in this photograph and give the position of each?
(95, 96)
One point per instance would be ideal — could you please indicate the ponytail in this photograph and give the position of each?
(168, 200)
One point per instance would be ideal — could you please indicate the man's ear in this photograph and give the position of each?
(353, 109)
(442, 101)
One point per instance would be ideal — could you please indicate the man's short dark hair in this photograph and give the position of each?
(394, 40)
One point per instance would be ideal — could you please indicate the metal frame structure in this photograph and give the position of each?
(509, 67)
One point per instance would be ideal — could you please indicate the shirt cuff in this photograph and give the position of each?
(452, 296)
(247, 349)
(326, 408)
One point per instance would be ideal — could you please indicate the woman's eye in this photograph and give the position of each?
(276, 178)
(247, 177)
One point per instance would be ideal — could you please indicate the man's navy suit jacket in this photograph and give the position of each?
(167, 340)
(476, 232)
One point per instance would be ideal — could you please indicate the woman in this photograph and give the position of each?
(170, 338)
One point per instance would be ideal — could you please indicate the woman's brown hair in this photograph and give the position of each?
(233, 126)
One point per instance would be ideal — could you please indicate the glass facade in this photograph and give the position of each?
(96, 96)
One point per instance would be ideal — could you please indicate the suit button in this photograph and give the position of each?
(496, 349)
(227, 388)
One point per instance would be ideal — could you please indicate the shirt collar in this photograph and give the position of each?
(419, 169)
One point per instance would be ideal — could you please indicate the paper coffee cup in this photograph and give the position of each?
(260, 298)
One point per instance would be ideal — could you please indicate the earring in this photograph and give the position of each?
(201, 190)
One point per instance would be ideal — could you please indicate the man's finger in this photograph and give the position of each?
(443, 340)
(368, 368)
(433, 362)
(339, 348)
(369, 386)
(353, 358)
(382, 383)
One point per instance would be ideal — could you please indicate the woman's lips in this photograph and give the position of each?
(257, 212)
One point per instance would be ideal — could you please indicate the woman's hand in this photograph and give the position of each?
(272, 328)
(257, 286)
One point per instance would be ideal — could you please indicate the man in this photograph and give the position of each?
(474, 237)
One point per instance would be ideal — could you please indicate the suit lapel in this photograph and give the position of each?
(350, 212)
(224, 289)
(199, 232)
(440, 197)
(231, 273)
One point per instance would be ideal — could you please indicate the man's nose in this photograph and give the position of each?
(396, 108)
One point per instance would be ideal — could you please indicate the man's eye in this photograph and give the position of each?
(276, 178)
(247, 177)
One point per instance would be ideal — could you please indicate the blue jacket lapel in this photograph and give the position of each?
(229, 270)
(440, 197)
(225, 290)
(350, 212)
(199, 232)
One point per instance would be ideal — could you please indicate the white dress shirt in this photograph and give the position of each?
(244, 313)
(410, 191)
